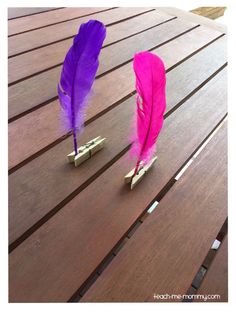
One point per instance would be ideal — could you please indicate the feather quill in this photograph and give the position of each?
(78, 74)
(151, 104)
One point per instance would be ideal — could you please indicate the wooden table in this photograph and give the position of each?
(80, 234)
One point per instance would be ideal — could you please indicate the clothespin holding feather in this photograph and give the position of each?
(151, 104)
(77, 77)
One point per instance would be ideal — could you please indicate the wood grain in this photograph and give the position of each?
(188, 16)
(51, 166)
(164, 254)
(114, 32)
(41, 20)
(216, 278)
(23, 11)
(107, 208)
(28, 92)
(45, 120)
(116, 54)
(26, 64)
(210, 12)
(29, 98)
(20, 92)
(49, 34)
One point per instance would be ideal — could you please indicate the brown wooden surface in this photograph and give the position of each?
(31, 22)
(163, 256)
(24, 11)
(181, 81)
(115, 32)
(210, 12)
(43, 125)
(31, 97)
(27, 92)
(25, 65)
(61, 31)
(115, 206)
(216, 279)
(64, 222)
(189, 16)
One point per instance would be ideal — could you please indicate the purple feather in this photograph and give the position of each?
(78, 74)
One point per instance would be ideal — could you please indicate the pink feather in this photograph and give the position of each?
(151, 104)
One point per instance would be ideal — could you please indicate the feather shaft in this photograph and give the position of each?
(73, 123)
(136, 167)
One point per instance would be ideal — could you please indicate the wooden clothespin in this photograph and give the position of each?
(86, 151)
(140, 174)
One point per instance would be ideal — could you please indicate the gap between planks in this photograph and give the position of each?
(120, 65)
(195, 155)
(146, 213)
(161, 194)
(62, 138)
(153, 193)
(52, 33)
(65, 201)
(70, 37)
(54, 142)
(16, 17)
(153, 48)
(70, 19)
(38, 106)
(207, 263)
(68, 198)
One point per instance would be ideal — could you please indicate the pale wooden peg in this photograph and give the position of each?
(98, 146)
(140, 174)
(86, 151)
(71, 156)
(81, 157)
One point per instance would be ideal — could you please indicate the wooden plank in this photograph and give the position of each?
(210, 12)
(115, 32)
(218, 12)
(67, 29)
(107, 208)
(194, 18)
(23, 144)
(116, 54)
(28, 92)
(165, 253)
(215, 281)
(28, 23)
(23, 11)
(25, 65)
(54, 54)
(25, 182)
